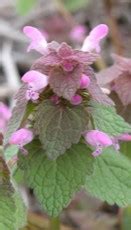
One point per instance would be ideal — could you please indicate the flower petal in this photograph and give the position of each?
(5, 112)
(125, 137)
(35, 80)
(93, 39)
(96, 138)
(78, 33)
(21, 137)
(38, 41)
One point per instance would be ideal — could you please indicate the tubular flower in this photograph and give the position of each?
(78, 33)
(67, 69)
(36, 83)
(20, 138)
(76, 100)
(5, 115)
(38, 41)
(92, 41)
(124, 137)
(98, 140)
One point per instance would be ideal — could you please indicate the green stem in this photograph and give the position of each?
(54, 223)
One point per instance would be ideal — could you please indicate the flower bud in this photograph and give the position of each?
(76, 99)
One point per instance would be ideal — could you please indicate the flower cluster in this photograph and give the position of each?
(62, 68)
(66, 72)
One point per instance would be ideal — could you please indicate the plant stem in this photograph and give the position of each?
(54, 223)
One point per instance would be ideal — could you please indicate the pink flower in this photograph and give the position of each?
(78, 33)
(61, 63)
(5, 112)
(84, 81)
(92, 41)
(20, 138)
(36, 83)
(124, 137)
(98, 140)
(5, 115)
(76, 99)
(38, 41)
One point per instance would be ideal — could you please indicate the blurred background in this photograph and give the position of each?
(69, 21)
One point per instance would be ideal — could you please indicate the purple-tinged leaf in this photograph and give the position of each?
(96, 92)
(106, 76)
(123, 88)
(17, 113)
(65, 84)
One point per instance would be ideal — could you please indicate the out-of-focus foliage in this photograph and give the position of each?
(126, 221)
(74, 5)
(24, 6)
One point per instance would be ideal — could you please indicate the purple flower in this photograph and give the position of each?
(38, 40)
(92, 41)
(78, 33)
(84, 81)
(36, 83)
(5, 115)
(124, 137)
(98, 140)
(65, 66)
(76, 100)
(20, 138)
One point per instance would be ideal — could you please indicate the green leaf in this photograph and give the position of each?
(126, 149)
(74, 5)
(11, 151)
(12, 212)
(12, 209)
(7, 209)
(55, 182)
(24, 6)
(111, 180)
(59, 126)
(107, 120)
(126, 219)
(20, 212)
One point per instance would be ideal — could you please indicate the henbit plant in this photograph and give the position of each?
(66, 129)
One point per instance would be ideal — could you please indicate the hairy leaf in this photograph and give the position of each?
(65, 84)
(111, 180)
(17, 113)
(55, 182)
(120, 75)
(123, 88)
(96, 92)
(12, 212)
(12, 209)
(59, 126)
(106, 76)
(107, 120)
